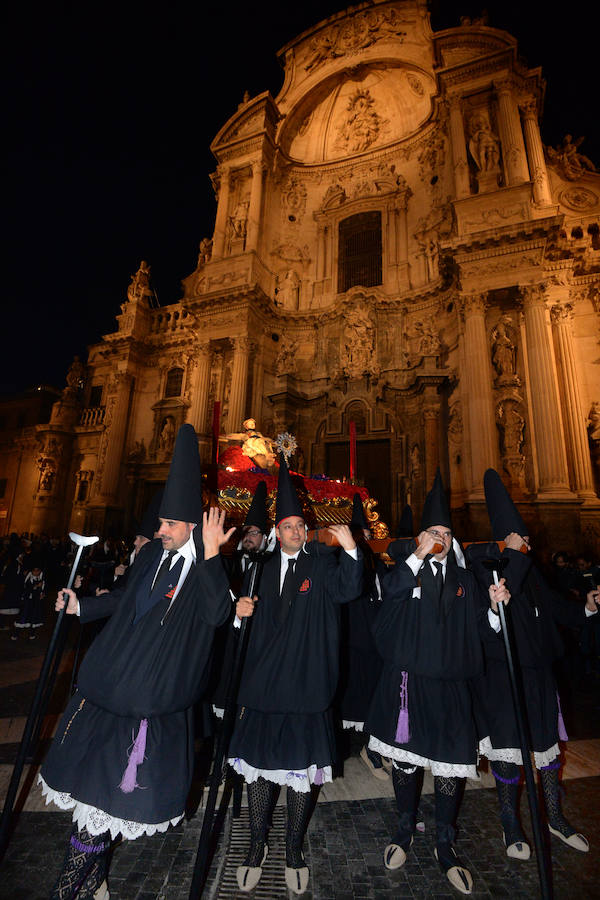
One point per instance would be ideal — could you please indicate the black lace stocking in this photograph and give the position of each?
(84, 866)
(300, 806)
(406, 781)
(507, 787)
(261, 799)
(448, 796)
(551, 789)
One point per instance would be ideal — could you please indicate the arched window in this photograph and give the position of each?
(359, 251)
(174, 382)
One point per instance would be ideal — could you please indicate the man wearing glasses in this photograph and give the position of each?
(421, 713)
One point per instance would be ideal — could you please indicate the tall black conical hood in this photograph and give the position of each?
(504, 515)
(435, 509)
(257, 514)
(182, 498)
(288, 502)
(150, 522)
(405, 525)
(359, 520)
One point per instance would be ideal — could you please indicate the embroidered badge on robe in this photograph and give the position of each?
(460, 591)
(169, 594)
(305, 586)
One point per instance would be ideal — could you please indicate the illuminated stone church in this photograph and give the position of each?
(393, 246)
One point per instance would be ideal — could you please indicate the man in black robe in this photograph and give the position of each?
(284, 730)
(122, 757)
(536, 610)
(427, 632)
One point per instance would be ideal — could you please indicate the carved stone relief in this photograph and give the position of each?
(504, 352)
(362, 124)
(357, 345)
(354, 34)
(511, 426)
(285, 363)
(568, 160)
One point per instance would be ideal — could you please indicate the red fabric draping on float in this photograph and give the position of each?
(318, 488)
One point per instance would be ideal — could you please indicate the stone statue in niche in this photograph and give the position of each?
(594, 423)
(166, 438)
(415, 461)
(512, 425)
(568, 160)
(238, 220)
(484, 145)
(362, 124)
(504, 352)
(140, 283)
(288, 290)
(357, 356)
(47, 477)
(205, 251)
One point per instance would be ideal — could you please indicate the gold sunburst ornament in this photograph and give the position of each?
(286, 444)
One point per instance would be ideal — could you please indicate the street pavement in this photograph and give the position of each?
(352, 823)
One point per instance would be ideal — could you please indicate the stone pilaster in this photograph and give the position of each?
(199, 406)
(431, 428)
(543, 390)
(511, 135)
(478, 391)
(114, 437)
(222, 211)
(535, 153)
(254, 210)
(239, 383)
(459, 149)
(570, 392)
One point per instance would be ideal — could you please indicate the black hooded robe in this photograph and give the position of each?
(535, 609)
(291, 669)
(440, 650)
(154, 670)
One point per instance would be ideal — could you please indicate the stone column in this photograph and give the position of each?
(114, 437)
(221, 217)
(511, 135)
(199, 407)
(239, 382)
(322, 252)
(574, 417)
(478, 378)
(402, 229)
(459, 149)
(255, 208)
(543, 391)
(535, 153)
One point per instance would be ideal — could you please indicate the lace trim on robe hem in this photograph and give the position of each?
(300, 779)
(348, 724)
(97, 821)
(513, 754)
(448, 770)
(219, 711)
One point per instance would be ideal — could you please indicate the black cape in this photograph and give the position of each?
(131, 672)
(439, 646)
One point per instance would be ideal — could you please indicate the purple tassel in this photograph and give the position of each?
(136, 758)
(562, 731)
(319, 776)
(402, 730)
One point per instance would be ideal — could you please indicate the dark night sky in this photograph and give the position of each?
(110, 111)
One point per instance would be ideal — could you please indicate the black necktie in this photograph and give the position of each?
(164, 567)
(287, 590)
(438, 579)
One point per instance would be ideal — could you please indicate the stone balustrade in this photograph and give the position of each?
(169, 319)
(92, 415)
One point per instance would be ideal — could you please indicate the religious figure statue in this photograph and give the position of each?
(484, 145)
(428, 342)
(362, 125)
(513, 425)
(238, 219)
(594, 422)
(504, 351)
(567, 158)
(257, 447)
(205, 251)
(288, 290)
(166, 438)
(74, 378)
(285, 364)
(358, 344)
(140, 283)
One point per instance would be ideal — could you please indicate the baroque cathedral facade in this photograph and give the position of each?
(393, 246)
